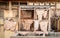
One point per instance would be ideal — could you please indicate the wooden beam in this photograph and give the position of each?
(34, 0)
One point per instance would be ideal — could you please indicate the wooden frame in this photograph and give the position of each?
(34, 12)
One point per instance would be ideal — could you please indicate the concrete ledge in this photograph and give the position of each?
(32, 37)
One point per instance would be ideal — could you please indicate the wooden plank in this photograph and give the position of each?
(34, 0)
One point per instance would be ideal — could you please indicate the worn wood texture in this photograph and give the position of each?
(34, 0)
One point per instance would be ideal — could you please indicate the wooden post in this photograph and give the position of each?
(19, 18)
(49, 22)
(10, 9)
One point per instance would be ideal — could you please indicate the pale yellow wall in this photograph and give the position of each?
(1, 32)
(6, 12)
(58, 8)
(58, 5)
(10, 14)
(9, 33)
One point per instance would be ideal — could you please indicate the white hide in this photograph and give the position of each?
(43, 26)
(40, 13)
(36, 25)
(45, 14)
(9, 25)
(43, 23)
(27, 23)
